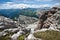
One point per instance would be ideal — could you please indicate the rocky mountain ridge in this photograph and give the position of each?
(27, 26)
(50, 18)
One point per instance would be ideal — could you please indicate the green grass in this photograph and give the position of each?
(22, 37)
(48, 35)
(6, 37)
(1, 30)
(10, 33)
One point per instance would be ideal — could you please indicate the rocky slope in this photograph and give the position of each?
(26, 20)
(6, 23)
(50, 18)
(11, 30)
(27, 26)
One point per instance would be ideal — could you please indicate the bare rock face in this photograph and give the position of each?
(50, 18)
(54, 20)
(26, 20)
(6, 23)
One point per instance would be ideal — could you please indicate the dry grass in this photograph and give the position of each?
(48, 35)
(22, 37)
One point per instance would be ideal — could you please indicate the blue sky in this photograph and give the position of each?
(12, 4)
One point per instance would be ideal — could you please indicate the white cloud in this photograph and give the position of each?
(40, 6)
(56, 4)
(29, 0)
(11, 5)
(9, 2)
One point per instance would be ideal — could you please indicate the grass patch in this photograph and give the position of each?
(22, 37)
(10, 33)
(48, 35)
(1, 30)
(6, 37)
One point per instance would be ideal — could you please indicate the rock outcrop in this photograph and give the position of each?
(24, 21)
(50, 18)
(6, 23)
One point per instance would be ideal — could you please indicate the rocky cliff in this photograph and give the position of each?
(50, 18)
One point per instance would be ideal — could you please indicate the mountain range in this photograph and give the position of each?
(11, 13)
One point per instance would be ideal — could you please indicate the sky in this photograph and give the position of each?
(14, 4)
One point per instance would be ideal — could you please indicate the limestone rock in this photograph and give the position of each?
(52, 19)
